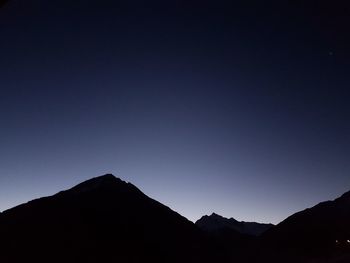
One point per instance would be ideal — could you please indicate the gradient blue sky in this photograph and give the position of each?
(234, 108)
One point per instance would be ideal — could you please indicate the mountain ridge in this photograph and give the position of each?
(216, 222)
(105, 219)
(319, 233)
(100, 220)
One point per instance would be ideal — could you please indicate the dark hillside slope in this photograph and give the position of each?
(101, 220)
(320, 233)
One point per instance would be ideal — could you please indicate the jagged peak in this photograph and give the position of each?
(220, 217)
(216, 215)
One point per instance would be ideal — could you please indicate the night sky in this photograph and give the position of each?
(234, 107)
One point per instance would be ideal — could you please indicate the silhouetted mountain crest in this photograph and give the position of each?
(215, 223)
(107, 180)
(106, 219)
(107, 183)
(321, 232)
(345, 196)
(218, 217)
(103, 219)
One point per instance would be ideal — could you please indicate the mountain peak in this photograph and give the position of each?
(214, 215)
(105, 177)
(103, 181)
(103, 219)
(215, 222)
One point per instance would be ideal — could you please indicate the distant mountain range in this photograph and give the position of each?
(215, 223)
(106, 219)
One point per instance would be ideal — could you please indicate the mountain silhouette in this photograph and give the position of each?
(100, 220)
(238, 239)
(105, 219)
(215, 223)
(320, 233)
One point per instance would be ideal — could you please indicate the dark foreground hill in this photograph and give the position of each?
(317, 234)
(101, 220)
